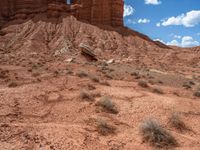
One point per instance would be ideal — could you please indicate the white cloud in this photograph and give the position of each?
(158, 24)
(131, 21)
(128, 10)
(160, 41)
(190, 19)
(177, 36)
(186, 41)
(143, 21)
(153, 2)
(174, 43)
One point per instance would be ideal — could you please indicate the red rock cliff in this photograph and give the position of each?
(108, 12)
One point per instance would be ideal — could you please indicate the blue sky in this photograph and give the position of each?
(175, 22)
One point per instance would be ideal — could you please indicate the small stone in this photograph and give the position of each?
(53, 97)
(110, 61)
(69, 60)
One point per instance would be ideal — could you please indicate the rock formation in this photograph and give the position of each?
(108, 12)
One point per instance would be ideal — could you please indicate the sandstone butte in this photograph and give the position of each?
(108, 12)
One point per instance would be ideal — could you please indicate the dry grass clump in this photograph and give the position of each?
(136, 75)
(143, 84)
(153, 133)
(81, 74)
(108, 105)
(96, 94)
(94, 78)
(104, 128)
(197, 93)
(158, 90)
(91, 87)
(187, 85)
(176, 122)
(85, 95)
(36, 74)
(12, 84)
(108, 76)
(106, 83)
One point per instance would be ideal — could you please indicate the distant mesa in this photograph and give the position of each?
(106, 12)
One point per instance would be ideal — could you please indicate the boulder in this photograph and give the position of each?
(87, 51)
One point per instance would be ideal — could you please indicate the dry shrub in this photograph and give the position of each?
(104, 128)
(36, 74)
(187, 85)
(91, 87)
(12, 84)
(158, 90)
(85, 95)
(153, 133)
(109, 76)
(197, 93)
(136, 75)
(81, 74)
(96, 94)
(176, 122)
(106, 83)
(94, 78)
(108, 105)
(143, 84)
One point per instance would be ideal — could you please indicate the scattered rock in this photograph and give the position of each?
(69, 60)
(53, 97)
(87, 51)
(110, 61)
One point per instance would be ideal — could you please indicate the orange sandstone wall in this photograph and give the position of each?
(107, 12)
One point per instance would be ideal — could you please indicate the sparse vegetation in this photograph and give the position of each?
(89, 96)
(108, 105)
(96, 94)
(85, 95)
(187, 85)
(152, 81)
(143, 84)
(81, 74)
(158, 90)
(160, 82)
(36, 74)
(104, 128)
(106, 83)
(91, 87)
(153, 133)
(197, 93)
(136, 75)
(109, 76)
(176, 122)
(12, 84)
(69, 72)
(94, 78)
(34, 66)
(55, 73)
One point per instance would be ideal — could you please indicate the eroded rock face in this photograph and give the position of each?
(108, 12)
